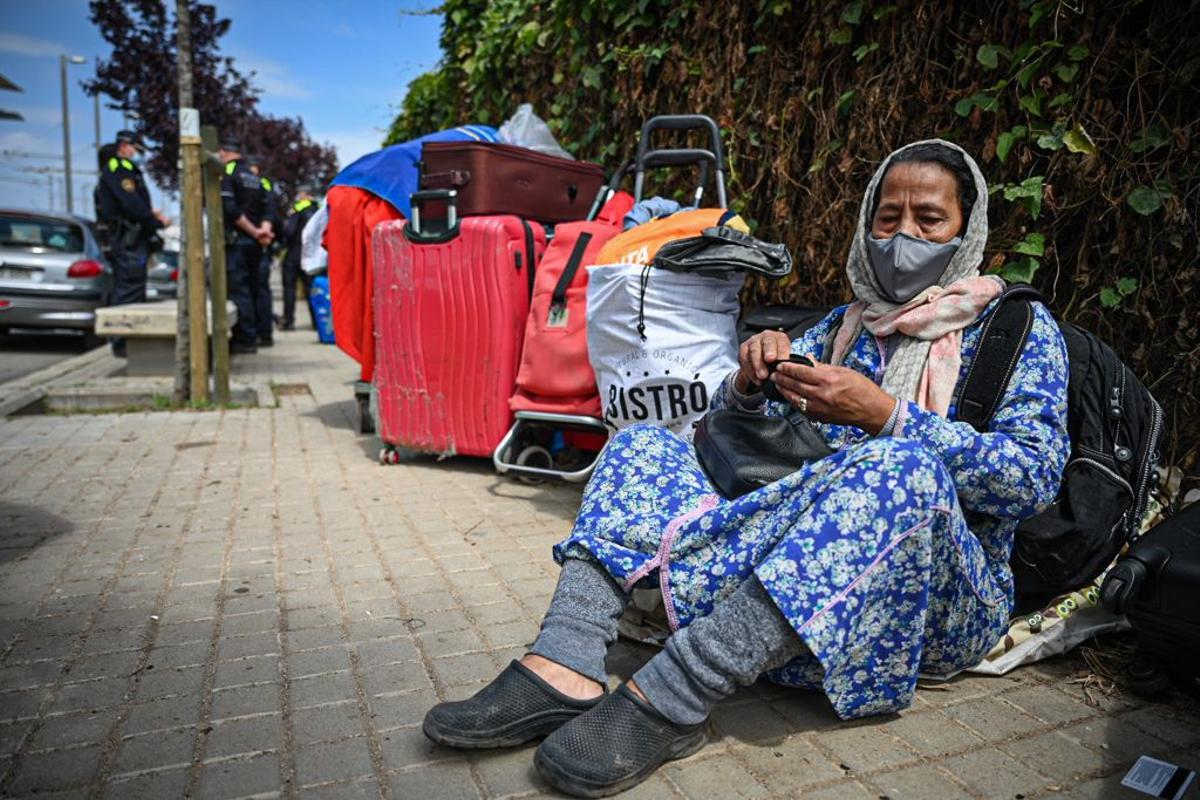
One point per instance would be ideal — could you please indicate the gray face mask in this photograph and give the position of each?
(905, 266)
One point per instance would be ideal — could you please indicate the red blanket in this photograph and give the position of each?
(353, 214)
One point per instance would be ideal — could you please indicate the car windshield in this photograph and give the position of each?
(40, 234)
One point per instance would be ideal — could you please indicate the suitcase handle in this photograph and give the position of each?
(412, 228)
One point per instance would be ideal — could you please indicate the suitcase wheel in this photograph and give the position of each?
(534, 456)
(388, 454)
(1147, 676)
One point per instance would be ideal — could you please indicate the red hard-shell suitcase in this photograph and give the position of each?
(495, 178)
(450, 310)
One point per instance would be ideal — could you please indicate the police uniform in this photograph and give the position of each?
(242, 194)
(124, 210)
(265, 317)
(293, 230)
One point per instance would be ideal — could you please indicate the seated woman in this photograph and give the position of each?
(887, 559)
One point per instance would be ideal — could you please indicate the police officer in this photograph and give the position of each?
(244, 203)
(129, 221)
(293, 229)
(272, 217)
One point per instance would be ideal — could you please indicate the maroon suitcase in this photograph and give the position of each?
(494, 179)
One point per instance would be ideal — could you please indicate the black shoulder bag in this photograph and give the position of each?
(741, 451)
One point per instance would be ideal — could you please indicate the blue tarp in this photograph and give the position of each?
(391, 173)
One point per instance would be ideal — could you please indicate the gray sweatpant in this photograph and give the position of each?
(742, 638)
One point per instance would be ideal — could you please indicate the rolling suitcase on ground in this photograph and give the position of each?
(1157, 585)
(450, 310)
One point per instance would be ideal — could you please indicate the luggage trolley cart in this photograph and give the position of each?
(556, 435)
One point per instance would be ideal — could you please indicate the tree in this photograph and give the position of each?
(139, 78)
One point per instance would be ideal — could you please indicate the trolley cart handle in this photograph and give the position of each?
(681, 157)
(412, 228)
(684, 122)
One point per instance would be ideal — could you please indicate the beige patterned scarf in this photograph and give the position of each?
(924, 363)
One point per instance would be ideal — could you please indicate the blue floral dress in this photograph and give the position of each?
(889, 557)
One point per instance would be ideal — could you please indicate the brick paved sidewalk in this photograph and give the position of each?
(246, 604)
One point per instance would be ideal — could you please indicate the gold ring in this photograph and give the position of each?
(803, 406)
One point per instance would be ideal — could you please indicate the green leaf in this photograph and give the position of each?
(882, 11)
(1032, 103)
(1060, 100)
(1127, 286)
(1034, 244)
(1050, 141)
(756, 49)
(1036, 13)
(1152, 137)
(986, 55)
(1066, 72)
(1078, 53)
(1004, 143)
(865, 50)
(1025, 76)
(1028, 192)
(852, 13)
(1018, 131)
(845, 101)
(1145, 200)
(1019, 271)
(842, 35)
(963, 107)
(1078, 141)
(1109, 298)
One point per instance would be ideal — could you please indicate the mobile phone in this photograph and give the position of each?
(793, 358)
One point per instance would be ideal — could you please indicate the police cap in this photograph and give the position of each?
(130, 137)
(231, 142)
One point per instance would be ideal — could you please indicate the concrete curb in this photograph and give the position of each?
(28, 389)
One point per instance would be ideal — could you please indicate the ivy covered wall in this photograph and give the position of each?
(1083, 115)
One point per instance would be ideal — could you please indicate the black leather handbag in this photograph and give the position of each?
(742, 451)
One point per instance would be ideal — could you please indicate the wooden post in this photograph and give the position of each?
(183, 35)
(216, 262)
(192, 198)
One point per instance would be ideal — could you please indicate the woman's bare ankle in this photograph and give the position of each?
(564, 679)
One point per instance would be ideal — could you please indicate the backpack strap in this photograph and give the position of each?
(1000, 345)
(559, 298)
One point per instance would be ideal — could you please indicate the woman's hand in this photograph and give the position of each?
(835, 394)
(756, 353)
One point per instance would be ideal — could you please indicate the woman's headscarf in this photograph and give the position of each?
(930, 323)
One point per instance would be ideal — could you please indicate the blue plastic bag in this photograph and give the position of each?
(322, 308)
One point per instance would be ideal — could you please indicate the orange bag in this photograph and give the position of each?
(639, 245)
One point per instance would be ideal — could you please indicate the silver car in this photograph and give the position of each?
(52, 272)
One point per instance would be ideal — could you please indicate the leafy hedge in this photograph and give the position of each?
(1083, 117)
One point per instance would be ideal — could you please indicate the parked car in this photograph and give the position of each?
(162, 279)
(52, 272)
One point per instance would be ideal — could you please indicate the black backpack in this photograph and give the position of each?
(1116, 429)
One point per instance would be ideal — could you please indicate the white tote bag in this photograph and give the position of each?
(660, 342)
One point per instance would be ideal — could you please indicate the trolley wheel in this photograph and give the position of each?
(388, 454)
(1148, 677)
(534, 456)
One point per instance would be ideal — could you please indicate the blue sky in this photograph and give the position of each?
(342, 67)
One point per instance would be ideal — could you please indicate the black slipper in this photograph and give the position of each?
(616, 745)
(514, 708)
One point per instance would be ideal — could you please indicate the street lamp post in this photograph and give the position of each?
(63, 60)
